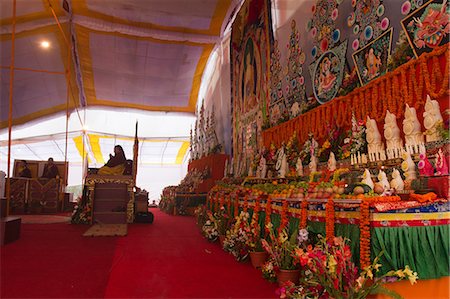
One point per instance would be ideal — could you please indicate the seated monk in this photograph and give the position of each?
(116, 163)
(50, 170)
(24, 171)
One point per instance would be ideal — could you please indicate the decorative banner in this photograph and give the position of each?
(277, 103)
(322, 26)
(327, 73)
(371, 61)
(295, 88)
(428, 27)
(251, 38)
(367, 21)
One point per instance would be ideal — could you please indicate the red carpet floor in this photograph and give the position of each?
(166, 259)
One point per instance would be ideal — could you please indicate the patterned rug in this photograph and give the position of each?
(107, 230)
(43, 219)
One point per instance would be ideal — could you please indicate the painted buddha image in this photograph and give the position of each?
(326, 77)
(249, 79)
(373, 64)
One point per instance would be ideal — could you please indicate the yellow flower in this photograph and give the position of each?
(332, 264)
(413, 278)
(360, 281)
(377, 267)
(369, 274)
(400, 273)
(407, 271)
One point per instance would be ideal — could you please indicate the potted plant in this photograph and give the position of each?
(237, 237)
(281, 250)
(258, 255)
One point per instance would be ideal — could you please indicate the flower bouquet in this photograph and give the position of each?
(200, 215)
(281, 250)
(330, 273)
(237, 237)
(209, 229)
(258, 255)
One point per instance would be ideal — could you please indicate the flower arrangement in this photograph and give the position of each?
(82, 212)
(222, 219)
(281, 248)
(268, 271)
(310, 147)
(292, 151)
(254, 236)
(200, 215)
(330, 273)
(356, 140)
(209, 229)
(237, 236)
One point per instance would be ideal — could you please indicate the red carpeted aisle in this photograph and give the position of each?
(171, 259)
(56, 261)
(166, 259)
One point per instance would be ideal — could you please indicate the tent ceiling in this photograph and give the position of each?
(148, 55)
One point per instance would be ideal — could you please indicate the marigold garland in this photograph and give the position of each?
(245, 203)
(364, 234)
(228, 203)
(304, 213)
(330, 218)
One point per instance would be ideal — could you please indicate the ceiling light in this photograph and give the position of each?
(45, 44)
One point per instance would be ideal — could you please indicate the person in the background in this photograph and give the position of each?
(24, 171)
(116, 163)
(50, 170)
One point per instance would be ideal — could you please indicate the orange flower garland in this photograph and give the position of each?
(216, 202)
(364, 234)
(304, 213)
(228, 204)
(329, 221)
(221, 201)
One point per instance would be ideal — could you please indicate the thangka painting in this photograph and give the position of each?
(372, 61)
(428, 26)
(327, 73)
(322, 27)
(251, 38)
(367, 22)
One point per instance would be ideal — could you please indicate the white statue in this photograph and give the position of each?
(394, 143)
(412, 130)
(382, 179)
(431, 117)
(313, 164)
(397, 182)
(332, 162)
(299, 167)
(367, 179)
(281, 165)
(375, 146)
(408, 167)
(262, 168)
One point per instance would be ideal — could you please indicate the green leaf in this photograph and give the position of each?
(382, 290)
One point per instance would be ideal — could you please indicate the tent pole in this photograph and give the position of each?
(11, 89)
(67, 71)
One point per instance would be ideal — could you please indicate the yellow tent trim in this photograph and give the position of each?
(182, 152)
(95, 147)
(220, 11)
(80, 147)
